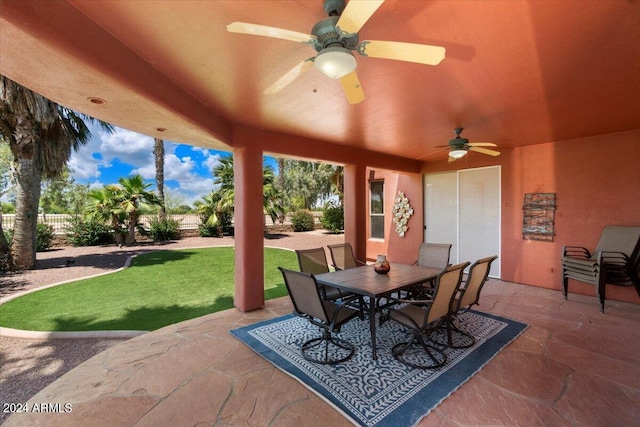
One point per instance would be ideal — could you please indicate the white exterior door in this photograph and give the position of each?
(463, 208)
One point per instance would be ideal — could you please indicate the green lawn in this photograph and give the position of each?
(160, 288)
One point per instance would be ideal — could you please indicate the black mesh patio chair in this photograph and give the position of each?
(615, 261)
(329, 316)
(422, 317)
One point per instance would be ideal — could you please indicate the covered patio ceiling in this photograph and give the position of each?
(515, 72)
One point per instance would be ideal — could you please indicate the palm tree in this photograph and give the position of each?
(42, 136)
(223, 173)
(158, 153)
(271, 194)
(223, 176)
(133, 194)
(215, 210)
(281, 186)
(104, 207)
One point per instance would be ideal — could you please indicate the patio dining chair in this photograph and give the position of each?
(431, 255)
(422, 318)
(314, 261)
(342, 257)
(329, 316)
(467, 296)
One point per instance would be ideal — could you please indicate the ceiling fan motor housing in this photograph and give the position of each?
(458, 141)
(325, 31)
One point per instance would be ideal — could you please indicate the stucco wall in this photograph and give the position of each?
(399, 249)
(596, 181)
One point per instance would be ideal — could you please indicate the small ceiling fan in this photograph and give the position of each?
(334, 38)
(459, 147)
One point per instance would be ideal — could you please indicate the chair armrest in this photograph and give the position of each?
(615, 256)
(618, 260)
(576, 252)
(411, 301)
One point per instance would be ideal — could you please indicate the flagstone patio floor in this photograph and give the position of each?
(572, 366)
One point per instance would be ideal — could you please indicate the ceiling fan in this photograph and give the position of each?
(460, 146)
(334, 38)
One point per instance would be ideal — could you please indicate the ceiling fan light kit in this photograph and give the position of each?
(457, 153)
(335, 62)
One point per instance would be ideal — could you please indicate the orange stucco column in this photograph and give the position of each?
(355, 208)
(249, 228)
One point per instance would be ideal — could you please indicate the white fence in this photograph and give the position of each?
(60, 221)
(187, 221)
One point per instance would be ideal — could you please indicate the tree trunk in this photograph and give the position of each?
(23, 246)
(158, 151)
(281, 185)
(133, 221)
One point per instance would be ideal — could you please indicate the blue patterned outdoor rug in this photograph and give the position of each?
(383, 392)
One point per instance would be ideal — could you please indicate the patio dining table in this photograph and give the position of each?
(366, 282)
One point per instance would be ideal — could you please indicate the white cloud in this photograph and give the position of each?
(178, 168)
(109, 156)
(211, 161)
(83, 165)
(127, 146)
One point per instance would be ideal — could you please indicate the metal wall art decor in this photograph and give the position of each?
(401, 213)
(539, 213)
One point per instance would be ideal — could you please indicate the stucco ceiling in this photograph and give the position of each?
(515, 73)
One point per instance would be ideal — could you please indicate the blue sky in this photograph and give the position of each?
(107, 157)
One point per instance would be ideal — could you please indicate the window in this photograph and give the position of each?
(376, 209)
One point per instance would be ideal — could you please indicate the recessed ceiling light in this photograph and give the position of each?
(161, 129)
(98, 101)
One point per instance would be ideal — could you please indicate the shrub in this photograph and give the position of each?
(164, 230)
(302, 220)
(209, 231)
(332, 218)
(88, 232)
(8, 235)
(44, 237)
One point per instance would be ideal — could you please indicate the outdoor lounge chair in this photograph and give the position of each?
(615, 261)
(342, 257)
(327, 315)
(422, 317)
(467, 296)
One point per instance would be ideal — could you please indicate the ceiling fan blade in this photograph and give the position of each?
(485, 151)
(352, 88)
(442, 146)
(481, 144)
(278, 33)
(410, 52)
(355, 15)
(289, 77)
(452, 159)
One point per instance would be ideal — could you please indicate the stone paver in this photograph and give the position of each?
(196, 373)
